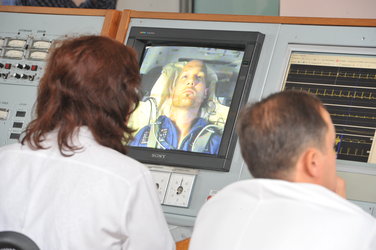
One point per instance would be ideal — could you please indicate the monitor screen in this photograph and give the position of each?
(194, 83)
(188, 91)
(344, 79)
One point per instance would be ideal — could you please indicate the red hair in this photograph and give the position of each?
(89, 81)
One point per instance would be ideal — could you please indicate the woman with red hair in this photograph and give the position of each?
(69, 184)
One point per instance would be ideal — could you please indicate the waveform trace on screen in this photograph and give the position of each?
(346, 84)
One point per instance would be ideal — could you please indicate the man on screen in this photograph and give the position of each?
(181, 127)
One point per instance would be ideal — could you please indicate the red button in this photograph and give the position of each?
(34, 67)
(8, 65)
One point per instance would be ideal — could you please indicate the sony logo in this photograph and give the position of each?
(160, 156)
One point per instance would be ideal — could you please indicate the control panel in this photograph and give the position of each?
(26, 37)
(22, 61)
(358, 172)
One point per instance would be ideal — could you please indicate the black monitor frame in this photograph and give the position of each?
(249, 42)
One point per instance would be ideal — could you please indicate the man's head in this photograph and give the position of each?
(89, 81)
(190, 89)
(289, 135)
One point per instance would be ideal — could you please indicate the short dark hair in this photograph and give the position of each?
(89, 81)
(275, 131)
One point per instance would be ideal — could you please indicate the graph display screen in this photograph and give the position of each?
(346, 84)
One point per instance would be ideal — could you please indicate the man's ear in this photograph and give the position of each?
(311, 163)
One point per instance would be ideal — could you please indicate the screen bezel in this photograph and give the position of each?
(249, 42)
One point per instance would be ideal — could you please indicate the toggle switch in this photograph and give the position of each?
(4, 75)
(31, 77)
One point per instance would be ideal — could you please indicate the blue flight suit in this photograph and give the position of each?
(167, 135)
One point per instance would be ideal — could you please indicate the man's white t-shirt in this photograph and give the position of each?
(96, 199)
(263, 214)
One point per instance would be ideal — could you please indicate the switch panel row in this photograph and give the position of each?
(174, 187)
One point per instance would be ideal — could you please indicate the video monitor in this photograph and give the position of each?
(344, 78)
(193, 84)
